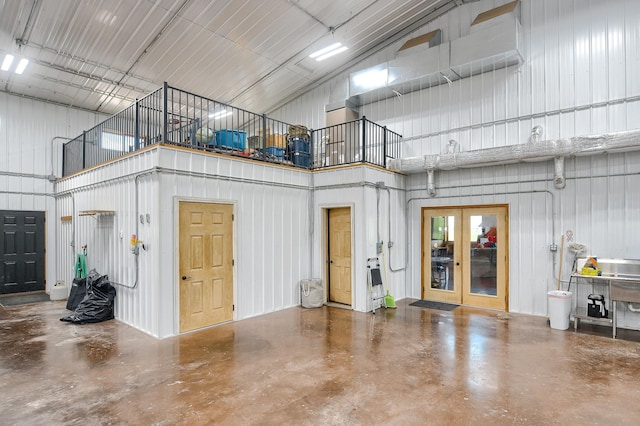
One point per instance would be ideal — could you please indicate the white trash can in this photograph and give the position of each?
(559, 309)
(59, 291)
(312, 293)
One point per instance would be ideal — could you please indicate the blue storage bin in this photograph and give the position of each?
(274, 151)
(299, 151)
(232, 139)
(298, 144)
(301, 159)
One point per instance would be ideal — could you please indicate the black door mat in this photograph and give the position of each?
(23, 299)
(434, 305)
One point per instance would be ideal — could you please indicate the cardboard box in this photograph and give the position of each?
(276, 140)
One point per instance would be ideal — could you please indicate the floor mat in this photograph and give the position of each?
(23, 299)
(434, 305)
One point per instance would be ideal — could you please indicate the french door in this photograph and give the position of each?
(464, 255)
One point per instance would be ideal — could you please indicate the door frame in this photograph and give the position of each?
(464, 271)
(324, 252)
(176, 258)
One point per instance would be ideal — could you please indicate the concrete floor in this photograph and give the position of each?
(318, 366)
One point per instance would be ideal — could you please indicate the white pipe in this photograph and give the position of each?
(545, 150)
(431, 185)
(558, 180)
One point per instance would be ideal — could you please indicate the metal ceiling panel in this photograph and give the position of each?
(103, 54)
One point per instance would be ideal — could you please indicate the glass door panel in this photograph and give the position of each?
(483, 230)
(464, 255)
(485, 260)
(441, 266)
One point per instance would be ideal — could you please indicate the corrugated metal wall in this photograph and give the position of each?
(27, 137)
(107, 235)
(579, 77)
(272, 234)
(582, 59)
(355, 187)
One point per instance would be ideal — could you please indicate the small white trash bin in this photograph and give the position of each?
(59, 291)
(312, 293)
(559, 309)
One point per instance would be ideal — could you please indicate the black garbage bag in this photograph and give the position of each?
(97, 305)
(78, 291)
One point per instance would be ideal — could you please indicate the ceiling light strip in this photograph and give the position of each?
(325, 50)
(6, 63)
(22, 65)
(331, 53)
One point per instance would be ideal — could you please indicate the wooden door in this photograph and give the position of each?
(339, 255)
(464, 255)
(206, 264)
(22, 252)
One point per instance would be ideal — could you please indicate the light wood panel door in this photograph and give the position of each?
(339, 254)
(206, 264)
(464, 255)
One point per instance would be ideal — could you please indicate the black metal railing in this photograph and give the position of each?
(358, 141)
(176, 117)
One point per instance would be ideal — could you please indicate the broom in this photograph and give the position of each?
(389, 301)
(560, 267)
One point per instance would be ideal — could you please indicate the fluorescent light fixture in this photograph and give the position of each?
(325, 50)
(22, 65)
(8, 59)
(331, 53)
(219, 114)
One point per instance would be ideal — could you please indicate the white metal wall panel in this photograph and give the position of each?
(578, 78)
(272, 239)
(354, 187)
(112, 187)
(599, 208)
(29, 153)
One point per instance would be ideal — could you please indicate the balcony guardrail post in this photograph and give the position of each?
(364, 139)
(263, 139)
(137, 127)
(64, 149)
(165, 103)
(84, 148)
(384, 147)
(312, 156)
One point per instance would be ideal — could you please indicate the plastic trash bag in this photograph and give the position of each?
(97, 304)
(78, 292)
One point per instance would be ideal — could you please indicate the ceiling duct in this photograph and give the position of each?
(495, 41)
(530, 152)
(417, 65)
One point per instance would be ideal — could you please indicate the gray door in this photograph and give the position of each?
(22, 252)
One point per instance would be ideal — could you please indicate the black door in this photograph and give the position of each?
(22, 252)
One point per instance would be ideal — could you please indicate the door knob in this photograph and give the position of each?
(184, 277)
(457, 263)
(331, 261)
